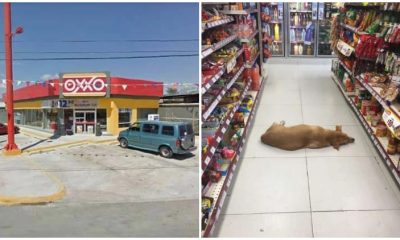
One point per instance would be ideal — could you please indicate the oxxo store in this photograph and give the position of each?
(78, 102)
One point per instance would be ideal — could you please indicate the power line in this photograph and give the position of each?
(105, 52)
(104, 58)
(112, 40)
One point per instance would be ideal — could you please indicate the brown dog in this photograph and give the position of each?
(304, 136)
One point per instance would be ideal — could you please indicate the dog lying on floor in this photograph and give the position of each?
(304, 136)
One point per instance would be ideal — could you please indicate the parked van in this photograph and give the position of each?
(167, 138)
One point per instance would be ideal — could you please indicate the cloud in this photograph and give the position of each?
(46, 76)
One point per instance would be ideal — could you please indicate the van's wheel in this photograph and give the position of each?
(123, 143)
(166, 152)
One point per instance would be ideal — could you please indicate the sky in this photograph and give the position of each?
(47, 24)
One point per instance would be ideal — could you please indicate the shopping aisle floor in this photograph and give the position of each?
(309, 193)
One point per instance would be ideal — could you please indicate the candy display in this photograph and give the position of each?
(230, 62)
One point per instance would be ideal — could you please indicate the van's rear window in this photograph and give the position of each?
(185, 128)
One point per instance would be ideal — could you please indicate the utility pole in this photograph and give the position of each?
(11, 148)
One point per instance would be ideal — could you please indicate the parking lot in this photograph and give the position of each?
(110, 191)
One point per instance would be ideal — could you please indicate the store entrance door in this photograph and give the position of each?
(85, 121)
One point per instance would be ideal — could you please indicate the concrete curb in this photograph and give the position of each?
(70, 144)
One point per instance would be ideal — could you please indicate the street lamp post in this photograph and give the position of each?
(11, 148)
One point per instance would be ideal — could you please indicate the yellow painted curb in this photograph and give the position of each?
(34, 135)
(52, 147)
(16, 200)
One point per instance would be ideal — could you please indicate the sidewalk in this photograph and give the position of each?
(34, 141)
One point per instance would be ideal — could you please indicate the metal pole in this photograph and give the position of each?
(10, 147)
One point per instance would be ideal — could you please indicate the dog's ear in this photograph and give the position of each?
(336, 146)
(339, 128)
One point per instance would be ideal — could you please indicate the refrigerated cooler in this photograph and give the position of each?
(273, 27)
(301, 28)
(297, 29)
(326, 12)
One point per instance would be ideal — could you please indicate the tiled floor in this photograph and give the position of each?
(309, 193)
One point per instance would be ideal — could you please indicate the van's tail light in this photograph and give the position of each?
(178, 142)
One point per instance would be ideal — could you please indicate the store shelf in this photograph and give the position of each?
(250, 64)
(300, 41)
(392, 161)
(246, 40)
(239, 12)
(215, 78)
(375, 93)
(221, 188)
(346, 68)
(215, 102)
(298, 26)
(239, 52)
(209, 50)
(353, 29)
(338, 82)
(298, 11)
(279, 22)
(217, 23)
(210, 150)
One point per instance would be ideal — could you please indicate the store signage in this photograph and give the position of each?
(392, 122)
(85, 103)
(70, 103)
(84, 84)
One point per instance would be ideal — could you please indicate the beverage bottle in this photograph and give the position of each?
(276, 31)
(292, 35)
(296, 19)
(300, 49)
(303, 35)
(309, 50)
(296, 49)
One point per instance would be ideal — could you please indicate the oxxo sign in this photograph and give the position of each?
(84, 84)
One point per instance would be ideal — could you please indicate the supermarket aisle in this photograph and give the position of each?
(309, 193)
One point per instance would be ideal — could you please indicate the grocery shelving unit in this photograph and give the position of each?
(218, 190)
(358, 78)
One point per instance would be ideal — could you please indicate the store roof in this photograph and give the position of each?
(119, 87)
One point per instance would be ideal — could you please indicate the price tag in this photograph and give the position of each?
(218, 213)
(219, 139)
(222, 198)
(233, 167)
(392, 122)
(223, 130)
(212, 150)
(207, 160)
(230, 65)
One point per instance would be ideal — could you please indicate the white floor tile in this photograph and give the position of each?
(268, 114)
(358, 148)
(328, 115)
(255, 148)
(265, 225)
(348, 183)
(270, 182)
(321, 96)
(357, 224)
(270, 185)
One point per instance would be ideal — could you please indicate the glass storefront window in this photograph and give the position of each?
(30, 117)
(102, 119)
(124, 117)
